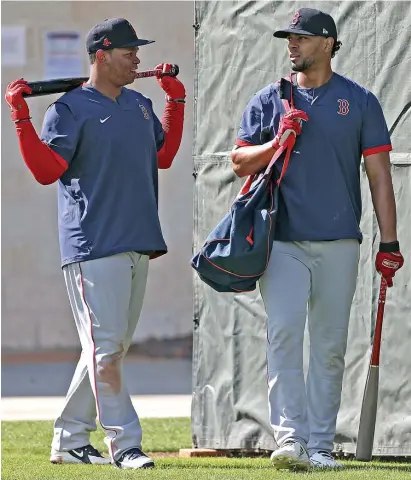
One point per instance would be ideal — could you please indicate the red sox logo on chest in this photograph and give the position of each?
(145, 112)
(343, 106)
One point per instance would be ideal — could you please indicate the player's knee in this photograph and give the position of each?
(328, 351)
(283, 335)
(330, 360)
(334, 363)
(109, 371)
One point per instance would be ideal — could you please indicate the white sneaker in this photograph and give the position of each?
(86, 454)
(291, 456)
(134, 458)
(324, 459)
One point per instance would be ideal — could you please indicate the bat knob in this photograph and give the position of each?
(173, 72)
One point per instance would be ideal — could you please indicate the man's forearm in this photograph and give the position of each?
(251, 159)
(172, 121)
(383, 199)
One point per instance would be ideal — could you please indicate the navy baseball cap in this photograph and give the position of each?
(113, 33)
(309, 21)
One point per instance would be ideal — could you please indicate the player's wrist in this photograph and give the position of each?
(275, 144)
(389, 247)
(20, 113)
(175, 100)
(21, 120)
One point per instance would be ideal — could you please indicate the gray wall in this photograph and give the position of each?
(35, 310)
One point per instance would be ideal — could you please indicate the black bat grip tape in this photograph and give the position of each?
(48, 87)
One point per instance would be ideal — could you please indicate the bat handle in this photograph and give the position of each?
(174, 71)
(375, 355)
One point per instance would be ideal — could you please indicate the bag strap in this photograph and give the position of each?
(286, 147)
(281, 83)
(289, 144)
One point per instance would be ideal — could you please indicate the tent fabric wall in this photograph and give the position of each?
(236, 55)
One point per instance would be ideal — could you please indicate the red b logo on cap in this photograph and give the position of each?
(296, 18)
(106, 42)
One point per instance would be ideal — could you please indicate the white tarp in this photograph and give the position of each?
(236, 55)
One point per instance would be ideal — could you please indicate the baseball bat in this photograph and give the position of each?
(60, 85)
(368, 415)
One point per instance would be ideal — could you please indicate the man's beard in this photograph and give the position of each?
(305, 65)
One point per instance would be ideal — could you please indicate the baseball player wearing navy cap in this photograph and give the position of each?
(103, 145)
(314, 263)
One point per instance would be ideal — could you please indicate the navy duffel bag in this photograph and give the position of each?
(236, 253)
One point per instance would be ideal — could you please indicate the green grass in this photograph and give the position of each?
(26, 446)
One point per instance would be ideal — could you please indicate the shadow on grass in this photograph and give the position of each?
(224, 463)
(392, 466)
(209, 466)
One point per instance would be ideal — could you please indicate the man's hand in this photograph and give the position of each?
(389, 261)
(290, 124)
(17, 104)
(171, 85)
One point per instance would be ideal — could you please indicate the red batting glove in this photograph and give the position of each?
(290, 124)
(387, 263)
(17, 104)
(171, 85)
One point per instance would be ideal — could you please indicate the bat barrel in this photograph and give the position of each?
(57, 85)
(368, 416)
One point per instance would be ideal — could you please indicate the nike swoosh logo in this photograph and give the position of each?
(102, 120)
(80, 455)
(95, 101)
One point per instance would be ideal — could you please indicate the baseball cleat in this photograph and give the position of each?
(291, 456)
(134, 458)
(324, 459)
(87, 454)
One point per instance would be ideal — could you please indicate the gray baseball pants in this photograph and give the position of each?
(106, 296)
(314, 281)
